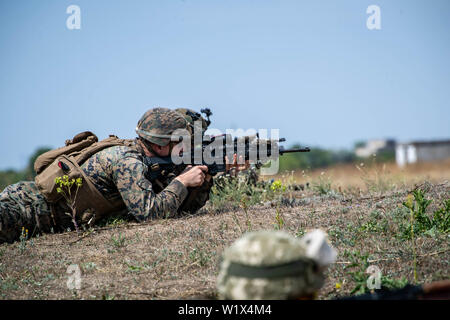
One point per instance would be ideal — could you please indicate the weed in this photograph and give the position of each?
(8, 284)
(64, 187)
(244, 207)
(196, 234)
(390, 283)
(420, 222)
(115, 221)
(107, 296)
(23, 240)
(359, 264)
(236, 221)
(279, 221)
(223, 226)
(229, 194)
(89, 266)
(133, 268)
(199, 257)
(300, 232)
(277, 186)
(374, 224)
(118, 242)
(369, 226)
(322, 185)
(339, 236)
(379, 182)
(441, 218)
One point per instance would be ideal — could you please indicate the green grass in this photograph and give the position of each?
(421, 222)
(358, 272)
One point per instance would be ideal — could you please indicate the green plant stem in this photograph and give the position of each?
(413, 246)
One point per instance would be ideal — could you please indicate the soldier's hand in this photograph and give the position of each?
(193, 176)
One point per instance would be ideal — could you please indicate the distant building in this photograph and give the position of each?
(375, 146)
(422, 151)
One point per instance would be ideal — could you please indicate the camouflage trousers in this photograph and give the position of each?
(22, 206)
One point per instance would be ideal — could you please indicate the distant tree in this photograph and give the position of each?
(8, 177)
(316, 158)
(385, 156)
(30, 174)
(359, 144)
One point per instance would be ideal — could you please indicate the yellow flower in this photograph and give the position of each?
(338, 285)
(276, 185)
(409, 203)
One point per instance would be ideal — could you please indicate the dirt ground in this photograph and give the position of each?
(179, 258)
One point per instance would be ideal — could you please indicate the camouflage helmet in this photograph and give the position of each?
(187, 114)
(270, 265)
(157, 125)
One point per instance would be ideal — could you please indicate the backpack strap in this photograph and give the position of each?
(112, 141)
(78, 143)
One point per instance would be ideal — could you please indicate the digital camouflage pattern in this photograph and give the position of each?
(267, 250)
(157, 125)
(20, 205)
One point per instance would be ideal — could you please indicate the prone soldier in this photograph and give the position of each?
(114, 180)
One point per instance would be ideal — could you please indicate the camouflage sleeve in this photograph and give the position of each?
(197, 197)
(138, 194)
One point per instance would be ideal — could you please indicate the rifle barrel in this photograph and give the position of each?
(282, 150)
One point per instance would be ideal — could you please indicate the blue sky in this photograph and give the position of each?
(310, 68)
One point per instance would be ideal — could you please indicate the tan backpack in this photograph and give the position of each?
(67, 161)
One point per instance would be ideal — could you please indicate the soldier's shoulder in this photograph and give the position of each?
(120, 154)
(121, 151)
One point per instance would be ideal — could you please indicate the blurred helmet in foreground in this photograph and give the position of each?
(274, 265)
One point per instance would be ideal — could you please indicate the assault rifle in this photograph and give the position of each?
(438, 290)
(216, 148)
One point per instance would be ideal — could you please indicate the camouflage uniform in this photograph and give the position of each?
(118, 172)
(274, 265)
(20, 205)
(197, 197)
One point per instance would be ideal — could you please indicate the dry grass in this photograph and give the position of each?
(179, 258)
(368, 174)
